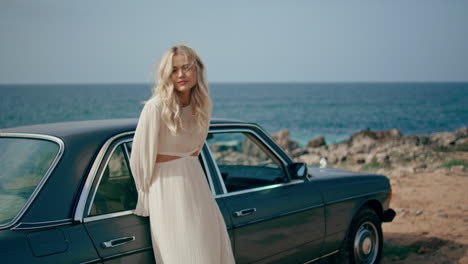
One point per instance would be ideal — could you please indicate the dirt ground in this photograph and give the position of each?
(431, 225)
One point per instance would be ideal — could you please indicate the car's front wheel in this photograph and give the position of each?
(363, 244)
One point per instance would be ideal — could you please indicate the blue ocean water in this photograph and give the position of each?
(308, 110)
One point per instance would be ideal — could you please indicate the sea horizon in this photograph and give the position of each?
(335, 110)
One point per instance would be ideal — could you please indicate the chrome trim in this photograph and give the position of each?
(106, 216)
(273, 186)
(127, 154)
(207, 171)
(245, 212)
(38, 225)
(118, 242)
(118, 144)
(324, 256)
(355, 197)
(78, 216)
(310, 261)
(44, 178)
(223, 187)
(329, 254)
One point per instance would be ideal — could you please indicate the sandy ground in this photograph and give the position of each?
(431, 225)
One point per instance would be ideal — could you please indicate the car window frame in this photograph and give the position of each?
(265, 146)
(102, 169)
(44, 178)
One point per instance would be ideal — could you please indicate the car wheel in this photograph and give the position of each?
(363, 244)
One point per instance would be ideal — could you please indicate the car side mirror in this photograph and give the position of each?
(298, 170)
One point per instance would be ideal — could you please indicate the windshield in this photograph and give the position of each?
(23, 163)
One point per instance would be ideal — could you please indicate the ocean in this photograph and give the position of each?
(308, 110)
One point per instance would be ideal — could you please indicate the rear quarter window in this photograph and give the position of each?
(24, 162)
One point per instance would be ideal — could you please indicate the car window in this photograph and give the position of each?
(244, 163)
(23, 162)
(116, 190)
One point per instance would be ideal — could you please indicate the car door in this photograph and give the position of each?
(276, 219)
(118, 235)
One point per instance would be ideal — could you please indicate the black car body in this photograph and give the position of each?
(74, 196)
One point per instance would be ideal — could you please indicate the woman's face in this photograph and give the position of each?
(184, 73)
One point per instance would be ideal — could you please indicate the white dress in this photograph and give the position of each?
(186, 224)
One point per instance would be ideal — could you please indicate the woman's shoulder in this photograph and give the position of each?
(153, 103)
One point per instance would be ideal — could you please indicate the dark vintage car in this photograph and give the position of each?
(67, 196)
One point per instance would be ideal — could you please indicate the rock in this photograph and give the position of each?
(443, 139)
(461, 141)
(461, 133)
(299, 152)
(310, 159)
(359, 159)
(416, 140)
(318, 142)
(384, 135)
(332, 159)
(370, 158)
(382, 149)
(282, 138)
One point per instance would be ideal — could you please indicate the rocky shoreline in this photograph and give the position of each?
(384, 151)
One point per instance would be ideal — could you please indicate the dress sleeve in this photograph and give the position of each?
(203, 136)
(144, 152)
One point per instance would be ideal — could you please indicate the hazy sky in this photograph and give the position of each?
(69, 41)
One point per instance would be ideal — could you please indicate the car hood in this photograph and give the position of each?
(322, 173)
(338, 184)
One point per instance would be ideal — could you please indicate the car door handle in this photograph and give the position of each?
(245, 212)
(117, 242)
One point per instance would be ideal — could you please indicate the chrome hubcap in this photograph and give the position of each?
(366, 243)
(367, 246)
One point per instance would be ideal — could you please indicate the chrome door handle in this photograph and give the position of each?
(117, 242)
(245, 212)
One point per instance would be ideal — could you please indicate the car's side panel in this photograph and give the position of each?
(288, 218)
(63, 244)
(343, 200)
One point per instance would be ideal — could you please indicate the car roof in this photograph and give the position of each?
(105, 126)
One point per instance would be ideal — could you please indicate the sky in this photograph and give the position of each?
(121, 41)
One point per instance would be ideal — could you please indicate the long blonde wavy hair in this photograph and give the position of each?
(163, 90)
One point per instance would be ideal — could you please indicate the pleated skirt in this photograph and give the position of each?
(186, 224)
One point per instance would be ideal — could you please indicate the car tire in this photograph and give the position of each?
(364, 241)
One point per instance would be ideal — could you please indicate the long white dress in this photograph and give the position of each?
(186, 224)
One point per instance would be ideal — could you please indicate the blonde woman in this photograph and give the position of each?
(186, 224)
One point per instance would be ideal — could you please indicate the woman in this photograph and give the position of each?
(186, 224)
